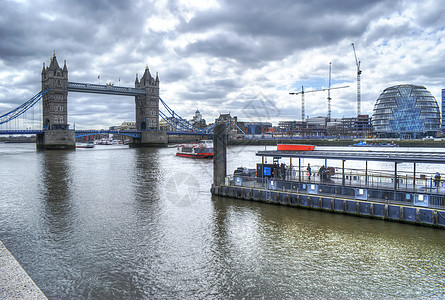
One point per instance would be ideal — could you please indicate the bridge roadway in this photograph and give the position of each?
(80, 133)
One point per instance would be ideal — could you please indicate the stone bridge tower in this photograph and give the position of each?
(147, 112)
(55, 109)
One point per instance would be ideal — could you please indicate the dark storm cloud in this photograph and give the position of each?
(215, 91)
(71, 27)
(387, 32)
(270, 30)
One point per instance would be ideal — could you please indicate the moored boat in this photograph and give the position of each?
(294, 147)
(104, 141)
(108, 141)
(85, 145)
(202, 149)
(365, 144)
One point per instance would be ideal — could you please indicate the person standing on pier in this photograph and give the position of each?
(309, 171)
(437, 179)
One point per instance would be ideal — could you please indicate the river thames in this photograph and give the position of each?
(118, 223)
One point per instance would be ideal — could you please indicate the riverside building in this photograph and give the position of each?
(406, 111)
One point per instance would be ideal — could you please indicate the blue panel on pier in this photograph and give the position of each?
(351, 206)
(426, 216)
(246, 194)
(361, 194)
(421, 200)
(394, 212)
(304, 200)
(238, 192)
(283, 198)
(264, 196)
(365, 208)
(273, 196)
(312, 189)
(293, 199)
(255, 195)
(315, 202)
(224, 189)
(441, 218)
(231, 191)
(379, 210)
(338, 205)
(326, 203)
(409, 214)
(272, 185)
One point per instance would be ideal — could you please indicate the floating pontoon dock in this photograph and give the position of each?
(412, 197)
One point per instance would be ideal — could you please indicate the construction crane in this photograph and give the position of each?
(329, 92)
(357, 62)
(320, 90)
(302, 100)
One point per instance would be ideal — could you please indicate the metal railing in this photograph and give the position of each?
(380, 187)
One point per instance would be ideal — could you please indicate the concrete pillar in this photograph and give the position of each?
(219, 154)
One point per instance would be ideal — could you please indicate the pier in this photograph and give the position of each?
(409, 197)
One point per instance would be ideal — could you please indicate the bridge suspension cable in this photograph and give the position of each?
(28, 110)
(13, 114)
(179, 123)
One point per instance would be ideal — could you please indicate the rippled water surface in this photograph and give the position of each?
(114, 222)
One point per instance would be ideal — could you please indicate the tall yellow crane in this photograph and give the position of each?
(357, 62)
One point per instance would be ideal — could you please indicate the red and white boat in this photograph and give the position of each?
(203, 149)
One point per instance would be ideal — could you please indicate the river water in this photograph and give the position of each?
(115, 223)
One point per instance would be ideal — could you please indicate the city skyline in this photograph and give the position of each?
(222, 57)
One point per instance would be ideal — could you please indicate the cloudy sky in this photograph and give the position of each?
(242, 57)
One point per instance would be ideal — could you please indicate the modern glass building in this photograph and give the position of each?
(406, 111)
(443, 109)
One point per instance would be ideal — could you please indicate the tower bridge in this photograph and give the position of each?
(55, 132)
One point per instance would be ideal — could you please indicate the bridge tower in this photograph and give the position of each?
(55, 109)
(147, 113)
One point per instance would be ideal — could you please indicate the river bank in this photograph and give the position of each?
(14, 281)
(434, 143)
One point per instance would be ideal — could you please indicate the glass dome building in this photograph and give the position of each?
(406, 111)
